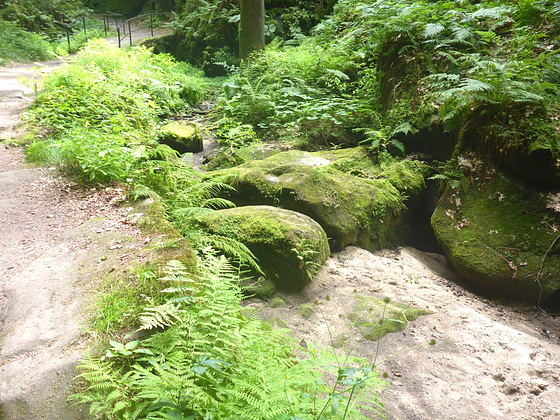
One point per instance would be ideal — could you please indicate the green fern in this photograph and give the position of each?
(214, 363)
(160, 316)
(433, 29)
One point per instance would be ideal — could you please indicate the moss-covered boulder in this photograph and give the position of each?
(182, 136)
(289, 246)
(356, 201)
(497, 233)
(376, 318)
(229, 158)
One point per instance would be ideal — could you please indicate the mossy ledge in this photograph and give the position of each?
(289, 246)
(355, 200)
(169, 244)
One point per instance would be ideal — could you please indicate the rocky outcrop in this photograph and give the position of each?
(355, 200)
(499, 233)
(182, 136)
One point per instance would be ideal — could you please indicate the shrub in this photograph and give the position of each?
(17, 44)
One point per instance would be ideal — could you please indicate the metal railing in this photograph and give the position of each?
(112, 21)
(109, 21)
(126, 28)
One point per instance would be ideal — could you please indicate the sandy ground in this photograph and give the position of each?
(491, 360)
(58, 242)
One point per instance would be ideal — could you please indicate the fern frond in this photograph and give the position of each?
(142, 191)
(432, 30)
(462, 34)
(230, 247)
(491, 13)
(218, 203)
(468, 85)
(160, 316)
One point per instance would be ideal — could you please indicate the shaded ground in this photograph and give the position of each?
(58, 243)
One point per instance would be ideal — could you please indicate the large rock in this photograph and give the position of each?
(182, 136)
(355, 201)
(497, 234)
(290, 246)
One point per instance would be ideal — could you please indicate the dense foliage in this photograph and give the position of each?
(40, 15)
(18, 44)
(202, 358)
(38, 30)
(101, 113)
(485, 71)
(208, 30)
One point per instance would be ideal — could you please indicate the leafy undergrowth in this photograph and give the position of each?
(17, 44)
(100, 115)
(204, 359)
(488, 72)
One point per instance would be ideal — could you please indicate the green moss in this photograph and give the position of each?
(290, 247)
(154, 220)
(222, 160)
(496, 235)
(261, 288)
(249, 312)
(182, 136)
(307, 310)
(161, 44)
(170, 244)
(356, 201)
(277, 302)
(376, 318)
(340, 341)
(277, 323)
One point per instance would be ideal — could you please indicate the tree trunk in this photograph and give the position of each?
(251, 28)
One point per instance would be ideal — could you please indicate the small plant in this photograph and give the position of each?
(305, 254)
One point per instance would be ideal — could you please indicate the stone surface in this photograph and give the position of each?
(356, 201)
(497, 231)
(182, 136)
(289, 246)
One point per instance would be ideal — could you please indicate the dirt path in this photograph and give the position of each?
(58, 242)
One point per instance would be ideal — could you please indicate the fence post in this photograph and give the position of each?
(84, 23)
(105, 22)
(130, 34)
(119, 35)
(151, 25)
